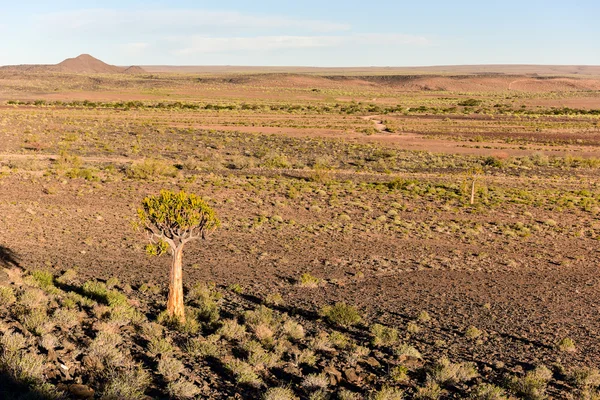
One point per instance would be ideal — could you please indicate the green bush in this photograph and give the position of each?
(150, 169)
(341, 314)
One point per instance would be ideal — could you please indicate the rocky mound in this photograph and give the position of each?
(134, 70)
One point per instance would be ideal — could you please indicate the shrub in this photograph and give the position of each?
(258, 356)
(44, 279)
(341, 314)
(567, 345)
(413, 328)
(150, 169)
(293, 330)
(472, 332)
(112, 282)
(24, 366)
(129, 383)
(585, 377)
(7, 296)
(68, 277)
(444, 371)
(170, 368)
(33, 298)
(159, 346)
(274, 299)
(182, 389)
(243, 372)
(11, 342)
(279, 393)
(486, 391)
(104, 348)
(262, 315)
(345, 394)
(339, 340)
(424, 316)
(383, 335)
(387, 393)
(230, 329)
(277, 161)
(431, 391)
(65, 318)
(37, 322)
(533, 385)
(236, 288)
(470, 103)
(406, 350)
(200, 347)
(307, 357)
(399, 374)
(309, 281)
(205, 298)
(315, 382)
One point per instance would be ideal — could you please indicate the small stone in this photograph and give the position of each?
(334, 375)
(372, 362)
(81, 391)
(351, 376)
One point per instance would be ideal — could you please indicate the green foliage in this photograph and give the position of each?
(567, 345)
(44, 279)
(309, 281)
(7, 296)
(383, 335)
(100, 292)
(533, 385)
(486, 391)
(150, 169)
(470, 103)
(444, 372)
(128, 383)
(279, 393)
(387, 393)
(205, 298)
(341, 314)
(243, 372)
(177, 216)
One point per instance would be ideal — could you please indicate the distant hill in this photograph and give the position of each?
(88, 64)
(83, 64)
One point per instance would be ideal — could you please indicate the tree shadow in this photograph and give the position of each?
(8, 257)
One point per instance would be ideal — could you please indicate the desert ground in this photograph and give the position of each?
(334, 188)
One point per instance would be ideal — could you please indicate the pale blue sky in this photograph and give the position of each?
(303, 33)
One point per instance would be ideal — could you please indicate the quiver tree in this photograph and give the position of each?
(171, 220)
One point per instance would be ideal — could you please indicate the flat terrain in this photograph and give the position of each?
(360, 180)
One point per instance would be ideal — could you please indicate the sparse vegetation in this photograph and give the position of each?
(372, 196)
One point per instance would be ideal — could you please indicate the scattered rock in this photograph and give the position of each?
(92, 363)
(333, 374)
(411, 362)
(351, 375)
(81, 391)
(373, 362)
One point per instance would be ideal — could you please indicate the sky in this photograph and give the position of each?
(328, 33)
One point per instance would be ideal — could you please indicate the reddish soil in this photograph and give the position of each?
(549, 292)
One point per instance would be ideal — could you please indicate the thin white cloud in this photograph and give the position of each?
(144, 21)
(205, 44)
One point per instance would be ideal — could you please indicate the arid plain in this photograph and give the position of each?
(335, 187)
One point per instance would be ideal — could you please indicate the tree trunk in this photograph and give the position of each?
(473, 192)
(175, 301)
